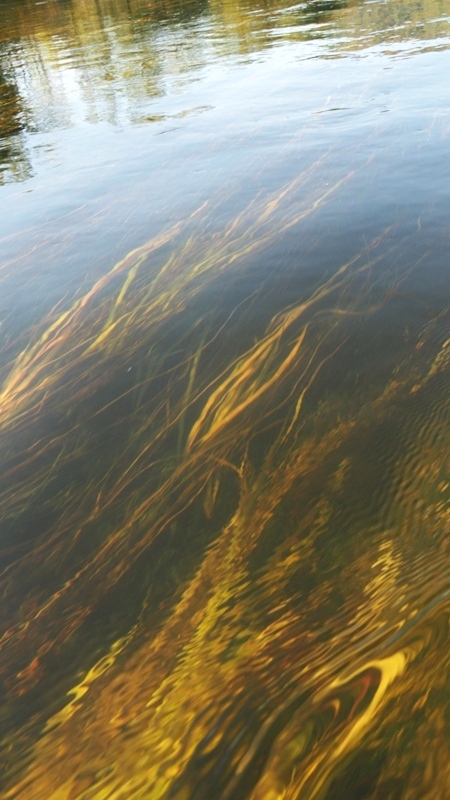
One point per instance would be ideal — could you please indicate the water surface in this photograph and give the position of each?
(225, 360)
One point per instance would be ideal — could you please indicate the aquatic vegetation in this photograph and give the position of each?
(207, 523)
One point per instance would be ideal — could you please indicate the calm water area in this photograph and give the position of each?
(224, 402)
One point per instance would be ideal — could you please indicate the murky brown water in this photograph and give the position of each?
(225, 361)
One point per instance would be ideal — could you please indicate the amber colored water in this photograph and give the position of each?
(224, 405)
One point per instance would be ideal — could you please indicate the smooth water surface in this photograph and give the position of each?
(224, 414)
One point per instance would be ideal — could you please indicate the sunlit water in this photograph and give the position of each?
(225, 360)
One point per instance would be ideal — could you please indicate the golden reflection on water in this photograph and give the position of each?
(228, 566)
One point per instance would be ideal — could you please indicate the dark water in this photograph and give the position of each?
(225, 362)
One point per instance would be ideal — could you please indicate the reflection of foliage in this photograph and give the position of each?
(10, 111)
(319, 11)
(399, 21)
(13, 156)
(130, 48)
(169, 11)
(14, 160)
(206, 541)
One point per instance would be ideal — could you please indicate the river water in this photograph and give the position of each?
(224, 429)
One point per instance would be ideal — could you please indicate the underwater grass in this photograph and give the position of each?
(130, 416)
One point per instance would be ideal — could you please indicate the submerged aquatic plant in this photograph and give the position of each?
(197, 544)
